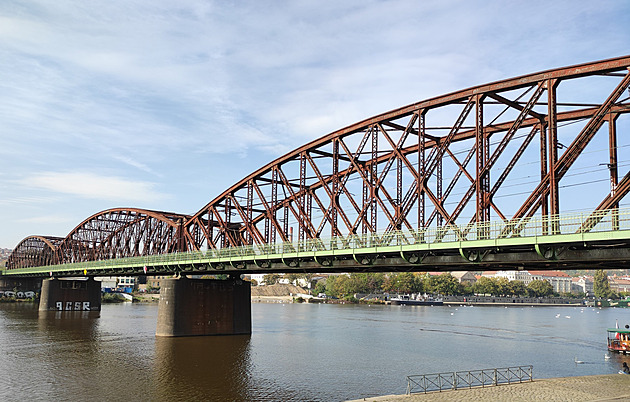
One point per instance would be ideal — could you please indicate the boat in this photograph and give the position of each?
(415, 300)
(619, 340)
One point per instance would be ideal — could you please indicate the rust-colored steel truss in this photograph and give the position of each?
(438, 162)
(113, 233)
(494, 151)
(35, 251)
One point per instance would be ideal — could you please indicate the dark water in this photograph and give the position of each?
(296, 351)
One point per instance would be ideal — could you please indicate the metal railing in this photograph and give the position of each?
(603, 223)
(468, 379)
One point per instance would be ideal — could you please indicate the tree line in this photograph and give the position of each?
(408, 282)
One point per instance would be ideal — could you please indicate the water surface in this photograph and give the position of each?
(297, 352)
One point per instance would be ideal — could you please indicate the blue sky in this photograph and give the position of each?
(163, 105)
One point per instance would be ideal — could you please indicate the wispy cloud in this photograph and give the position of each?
(192, 95)
(89, 185)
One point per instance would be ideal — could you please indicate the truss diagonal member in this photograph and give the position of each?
(300, 215)
(515, 105)
(269, 212)
(609, 202)
(516, 125)
(573, 151)
(362, 174)
(331, 195)
(438, 151)
(247, 224)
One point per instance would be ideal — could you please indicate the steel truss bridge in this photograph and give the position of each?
(482, 177)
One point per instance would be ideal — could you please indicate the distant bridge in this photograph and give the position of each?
(421, 187)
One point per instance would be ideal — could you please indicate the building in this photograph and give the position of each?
(560, 281)
(619, 284)
(154, 281)
(466, 278)
(582, 284)
(519, 275)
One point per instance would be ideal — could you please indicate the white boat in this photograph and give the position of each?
(416, 300)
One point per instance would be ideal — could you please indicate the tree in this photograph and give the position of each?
(271, 279)
(539, 288)
(405, 282)
(517, 288)
(601, 287)
(486, 285)
(293, 279)
(320, 287)
(503, 286)
(445, 284)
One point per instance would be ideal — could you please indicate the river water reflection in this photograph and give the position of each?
(296, 351)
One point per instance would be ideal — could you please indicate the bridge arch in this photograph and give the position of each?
(123, 232)
(434, 163)
(34, 251)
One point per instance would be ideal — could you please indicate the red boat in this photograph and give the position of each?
(619, 340)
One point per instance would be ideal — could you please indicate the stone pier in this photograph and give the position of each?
(70, 295)
(191, 307)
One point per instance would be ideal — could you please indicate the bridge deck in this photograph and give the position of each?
(585, 240)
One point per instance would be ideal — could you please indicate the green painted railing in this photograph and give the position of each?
(601, 225)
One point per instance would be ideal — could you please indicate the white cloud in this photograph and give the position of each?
(89, 185)
(149, 94)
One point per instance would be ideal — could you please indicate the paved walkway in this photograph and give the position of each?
(610, 387)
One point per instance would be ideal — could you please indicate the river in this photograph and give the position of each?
(299, 352)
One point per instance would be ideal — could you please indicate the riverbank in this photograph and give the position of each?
(609, 387)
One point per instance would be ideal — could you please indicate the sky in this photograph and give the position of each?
(163, 105)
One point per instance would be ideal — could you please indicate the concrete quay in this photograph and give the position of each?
(609, 387)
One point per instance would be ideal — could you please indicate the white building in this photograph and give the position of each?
(560, 281)
(583, 284)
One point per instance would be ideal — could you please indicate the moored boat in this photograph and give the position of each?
(414, 300)
(619, 340)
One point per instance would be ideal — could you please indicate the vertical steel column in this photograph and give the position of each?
(438, 193)
(552, 129)
(366, 202)
(226, 229)
(309, 208)
(421, 169)
(249, 212)
(335, 188)
(482, 183)
(543, 173)
(612, 166)
(302, 203)
(274, 203)
(374, 179)
(399, 190)
(210, 230)
(285, 224)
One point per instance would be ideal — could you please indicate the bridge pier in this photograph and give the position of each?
(70, 295)
(191, 307)
(20, 284)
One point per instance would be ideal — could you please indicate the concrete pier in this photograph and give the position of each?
(193, 307)
(70, 295)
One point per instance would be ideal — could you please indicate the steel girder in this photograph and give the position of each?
(433, 163)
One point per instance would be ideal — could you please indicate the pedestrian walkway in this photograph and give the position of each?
(610, 387)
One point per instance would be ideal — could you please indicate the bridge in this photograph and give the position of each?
(473, 179)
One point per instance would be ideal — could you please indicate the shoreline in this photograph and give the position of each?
(603, 387)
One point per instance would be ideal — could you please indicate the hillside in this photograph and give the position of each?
(277, 290)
